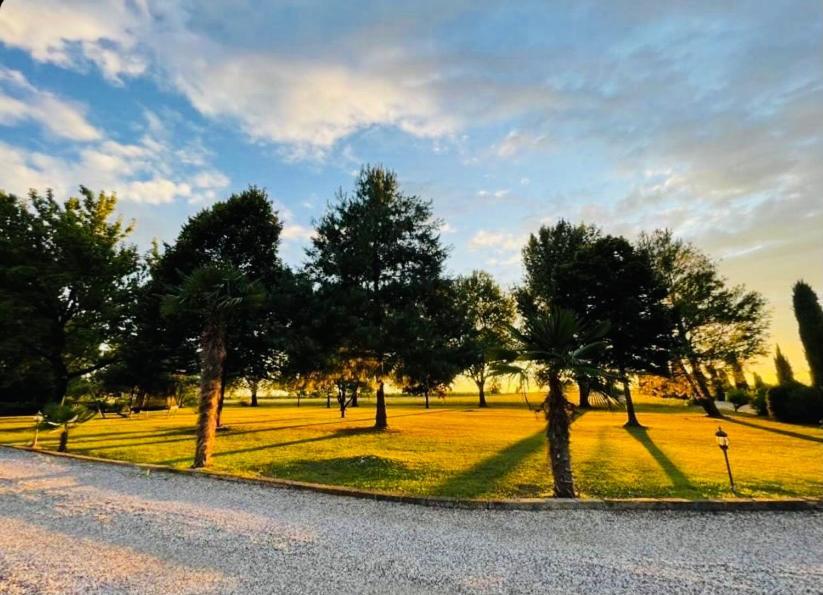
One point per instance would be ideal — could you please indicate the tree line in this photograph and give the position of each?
(371, 305)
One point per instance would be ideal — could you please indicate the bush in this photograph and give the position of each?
(758, 400)
(738, 397)
(795, 403)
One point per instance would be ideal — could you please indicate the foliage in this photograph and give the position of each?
(759, 401)
(489, 312)
(809, 317)
(64, 417)
(67, 286)
(375, 254)
(713, 323)
(785, 374)
(795, 403)
(738, 397)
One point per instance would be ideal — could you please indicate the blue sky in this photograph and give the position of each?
(704, 117)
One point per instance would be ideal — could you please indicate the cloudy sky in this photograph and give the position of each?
(705, 117)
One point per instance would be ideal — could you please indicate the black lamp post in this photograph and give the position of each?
(723, 442)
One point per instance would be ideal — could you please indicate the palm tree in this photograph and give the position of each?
(215, 293)
(559, 344)
(64, 417)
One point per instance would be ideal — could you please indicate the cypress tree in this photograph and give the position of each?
(785, 374)
(809, 316)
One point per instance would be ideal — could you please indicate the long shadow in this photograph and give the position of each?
(492, 469)
(679, 479)
(342, 433)
(788, 433)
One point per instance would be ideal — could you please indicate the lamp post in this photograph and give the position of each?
(723, 442)
(38, 419)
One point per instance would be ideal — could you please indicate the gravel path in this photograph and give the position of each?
(75, 527)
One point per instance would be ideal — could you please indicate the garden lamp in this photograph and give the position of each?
(723, 442)
(38, 419)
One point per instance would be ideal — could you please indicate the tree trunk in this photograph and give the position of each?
(627, 393)
(426, 394)
(253, 387)
(706, 401)
(354, 397)
(341, 399)
(61, 386)
(584, 387)
(211, 370)
(222, 395)
(64, 440)
(557, 432)
(328, 400)
(380, 420)
(481, 392)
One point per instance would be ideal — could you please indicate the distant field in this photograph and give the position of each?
(455, 449)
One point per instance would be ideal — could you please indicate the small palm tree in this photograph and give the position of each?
(64, 417)
(214, 294)
(558, 344)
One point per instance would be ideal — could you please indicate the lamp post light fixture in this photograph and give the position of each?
(723, 442)
(38, 419)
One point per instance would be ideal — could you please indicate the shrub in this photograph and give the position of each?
(738, 397)
(795, 403)
(758, 400)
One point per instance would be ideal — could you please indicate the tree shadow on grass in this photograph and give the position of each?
(788, 433)
(677, 477)
(482, 477)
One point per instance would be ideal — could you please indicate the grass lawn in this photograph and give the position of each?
(455, 449)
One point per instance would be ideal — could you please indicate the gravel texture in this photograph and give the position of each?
(76, 527)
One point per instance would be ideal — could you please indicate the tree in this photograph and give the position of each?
(809, 317)
(242, 232)
(785, 374)
(67, 285)
(489, 312)
(219, 295)
(713, 323)
(439, 347)
(608, 280)
(545, 256)
(375, 254)
(561, 345)
(65, 417)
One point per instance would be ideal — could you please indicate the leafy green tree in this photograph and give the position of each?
(67, 285)
(242, 232)
(218, 295)
(785, 374)
(546, 256)
(713, 323)
(809, 317)
(489, 312)
(439, 347)
(375, 254)
(562, 347)
(608, 280)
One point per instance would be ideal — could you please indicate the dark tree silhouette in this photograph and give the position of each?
(809, 317)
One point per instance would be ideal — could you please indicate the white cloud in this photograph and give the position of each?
(20, 102)
(497, 240)
(70, 33)
(296, 232)
(517, 141)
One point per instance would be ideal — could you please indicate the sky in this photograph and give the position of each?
(702, 117)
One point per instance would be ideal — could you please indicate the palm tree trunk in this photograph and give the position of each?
(557, 432)
(222, 395)
(380, 421)
(627, 393)
(64, 440)
(212, 357)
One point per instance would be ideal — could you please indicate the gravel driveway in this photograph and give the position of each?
(75, 527)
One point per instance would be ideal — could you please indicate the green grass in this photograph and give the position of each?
(455, 449)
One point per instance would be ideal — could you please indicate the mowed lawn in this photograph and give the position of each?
(455, 449)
